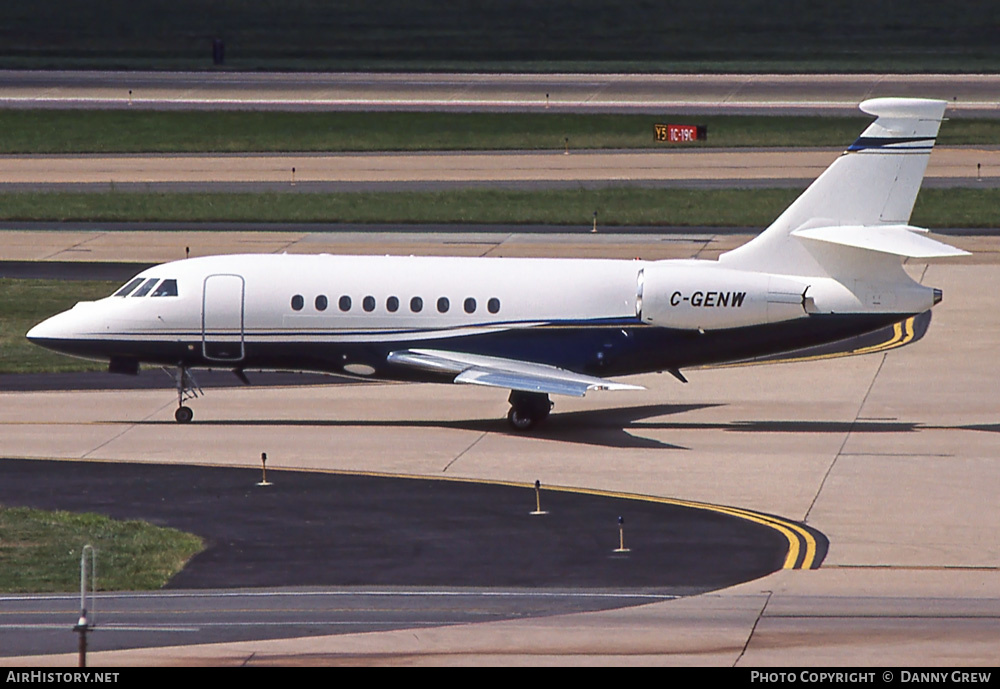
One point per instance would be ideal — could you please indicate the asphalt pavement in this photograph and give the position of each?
(366, 535)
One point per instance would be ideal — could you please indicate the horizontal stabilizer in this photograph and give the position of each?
(873, 184)
(509, 374)
(899, 240)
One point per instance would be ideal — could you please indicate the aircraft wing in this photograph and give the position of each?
(510, 374)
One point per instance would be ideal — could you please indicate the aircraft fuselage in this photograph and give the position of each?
(346, 314)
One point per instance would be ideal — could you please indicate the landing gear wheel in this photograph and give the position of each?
(520, 420)
(527, 409)
(187, 389)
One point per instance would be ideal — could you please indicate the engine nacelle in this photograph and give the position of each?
(714, 298)
(829, 296)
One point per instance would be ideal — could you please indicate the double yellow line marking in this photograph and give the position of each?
(802, 546)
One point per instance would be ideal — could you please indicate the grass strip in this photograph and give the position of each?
(136, 131)
(615, 206)
(124, 131)
(40, 551)
(972, 208)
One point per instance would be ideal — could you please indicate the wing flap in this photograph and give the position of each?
(512, 381)
(510, 374)
(899, 240)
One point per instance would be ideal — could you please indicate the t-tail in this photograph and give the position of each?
(852, 223)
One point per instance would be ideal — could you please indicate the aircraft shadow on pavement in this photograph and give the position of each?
(611, 427)
(984, 427)
(618, 427)
(599, 427)
(793, 426)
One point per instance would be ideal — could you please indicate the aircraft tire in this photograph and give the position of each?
(527, 409)
(183, 415)
(521, 420)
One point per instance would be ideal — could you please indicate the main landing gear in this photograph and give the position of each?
(187, 389)
(527, 409)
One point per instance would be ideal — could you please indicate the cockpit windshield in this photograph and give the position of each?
(146, 287)
(127, 289)
(165, 288)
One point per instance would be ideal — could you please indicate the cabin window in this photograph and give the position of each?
(493, 305)
(443, 305)
(344, 303)
(392, 304)
(416, 305)
(124, 291)
(322, 302)
(470, 305)
(146, 287)
(298, 302)
(167, 288)
(368, 303)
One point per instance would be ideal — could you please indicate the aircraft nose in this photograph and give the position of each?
(50, 329)
(46, 330)
(62, 327)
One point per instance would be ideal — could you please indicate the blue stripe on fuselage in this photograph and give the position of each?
(610, 351)
(891, 143)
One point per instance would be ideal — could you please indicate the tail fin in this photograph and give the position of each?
(874, 184)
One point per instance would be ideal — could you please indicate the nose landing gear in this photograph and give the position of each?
(527, 409)
(187, 389)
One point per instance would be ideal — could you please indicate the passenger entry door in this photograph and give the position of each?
(222, 318)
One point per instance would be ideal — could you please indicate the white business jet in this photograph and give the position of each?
(827, 271)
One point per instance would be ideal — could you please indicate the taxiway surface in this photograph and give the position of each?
(970, 94)
(892, 456)
(974, 166)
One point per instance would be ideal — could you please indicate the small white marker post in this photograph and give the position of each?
(621, 537)
(263, 470)
(595, 223)
(538, 499)
(83, 625)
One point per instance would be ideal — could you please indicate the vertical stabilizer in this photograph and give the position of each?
(874, 183)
